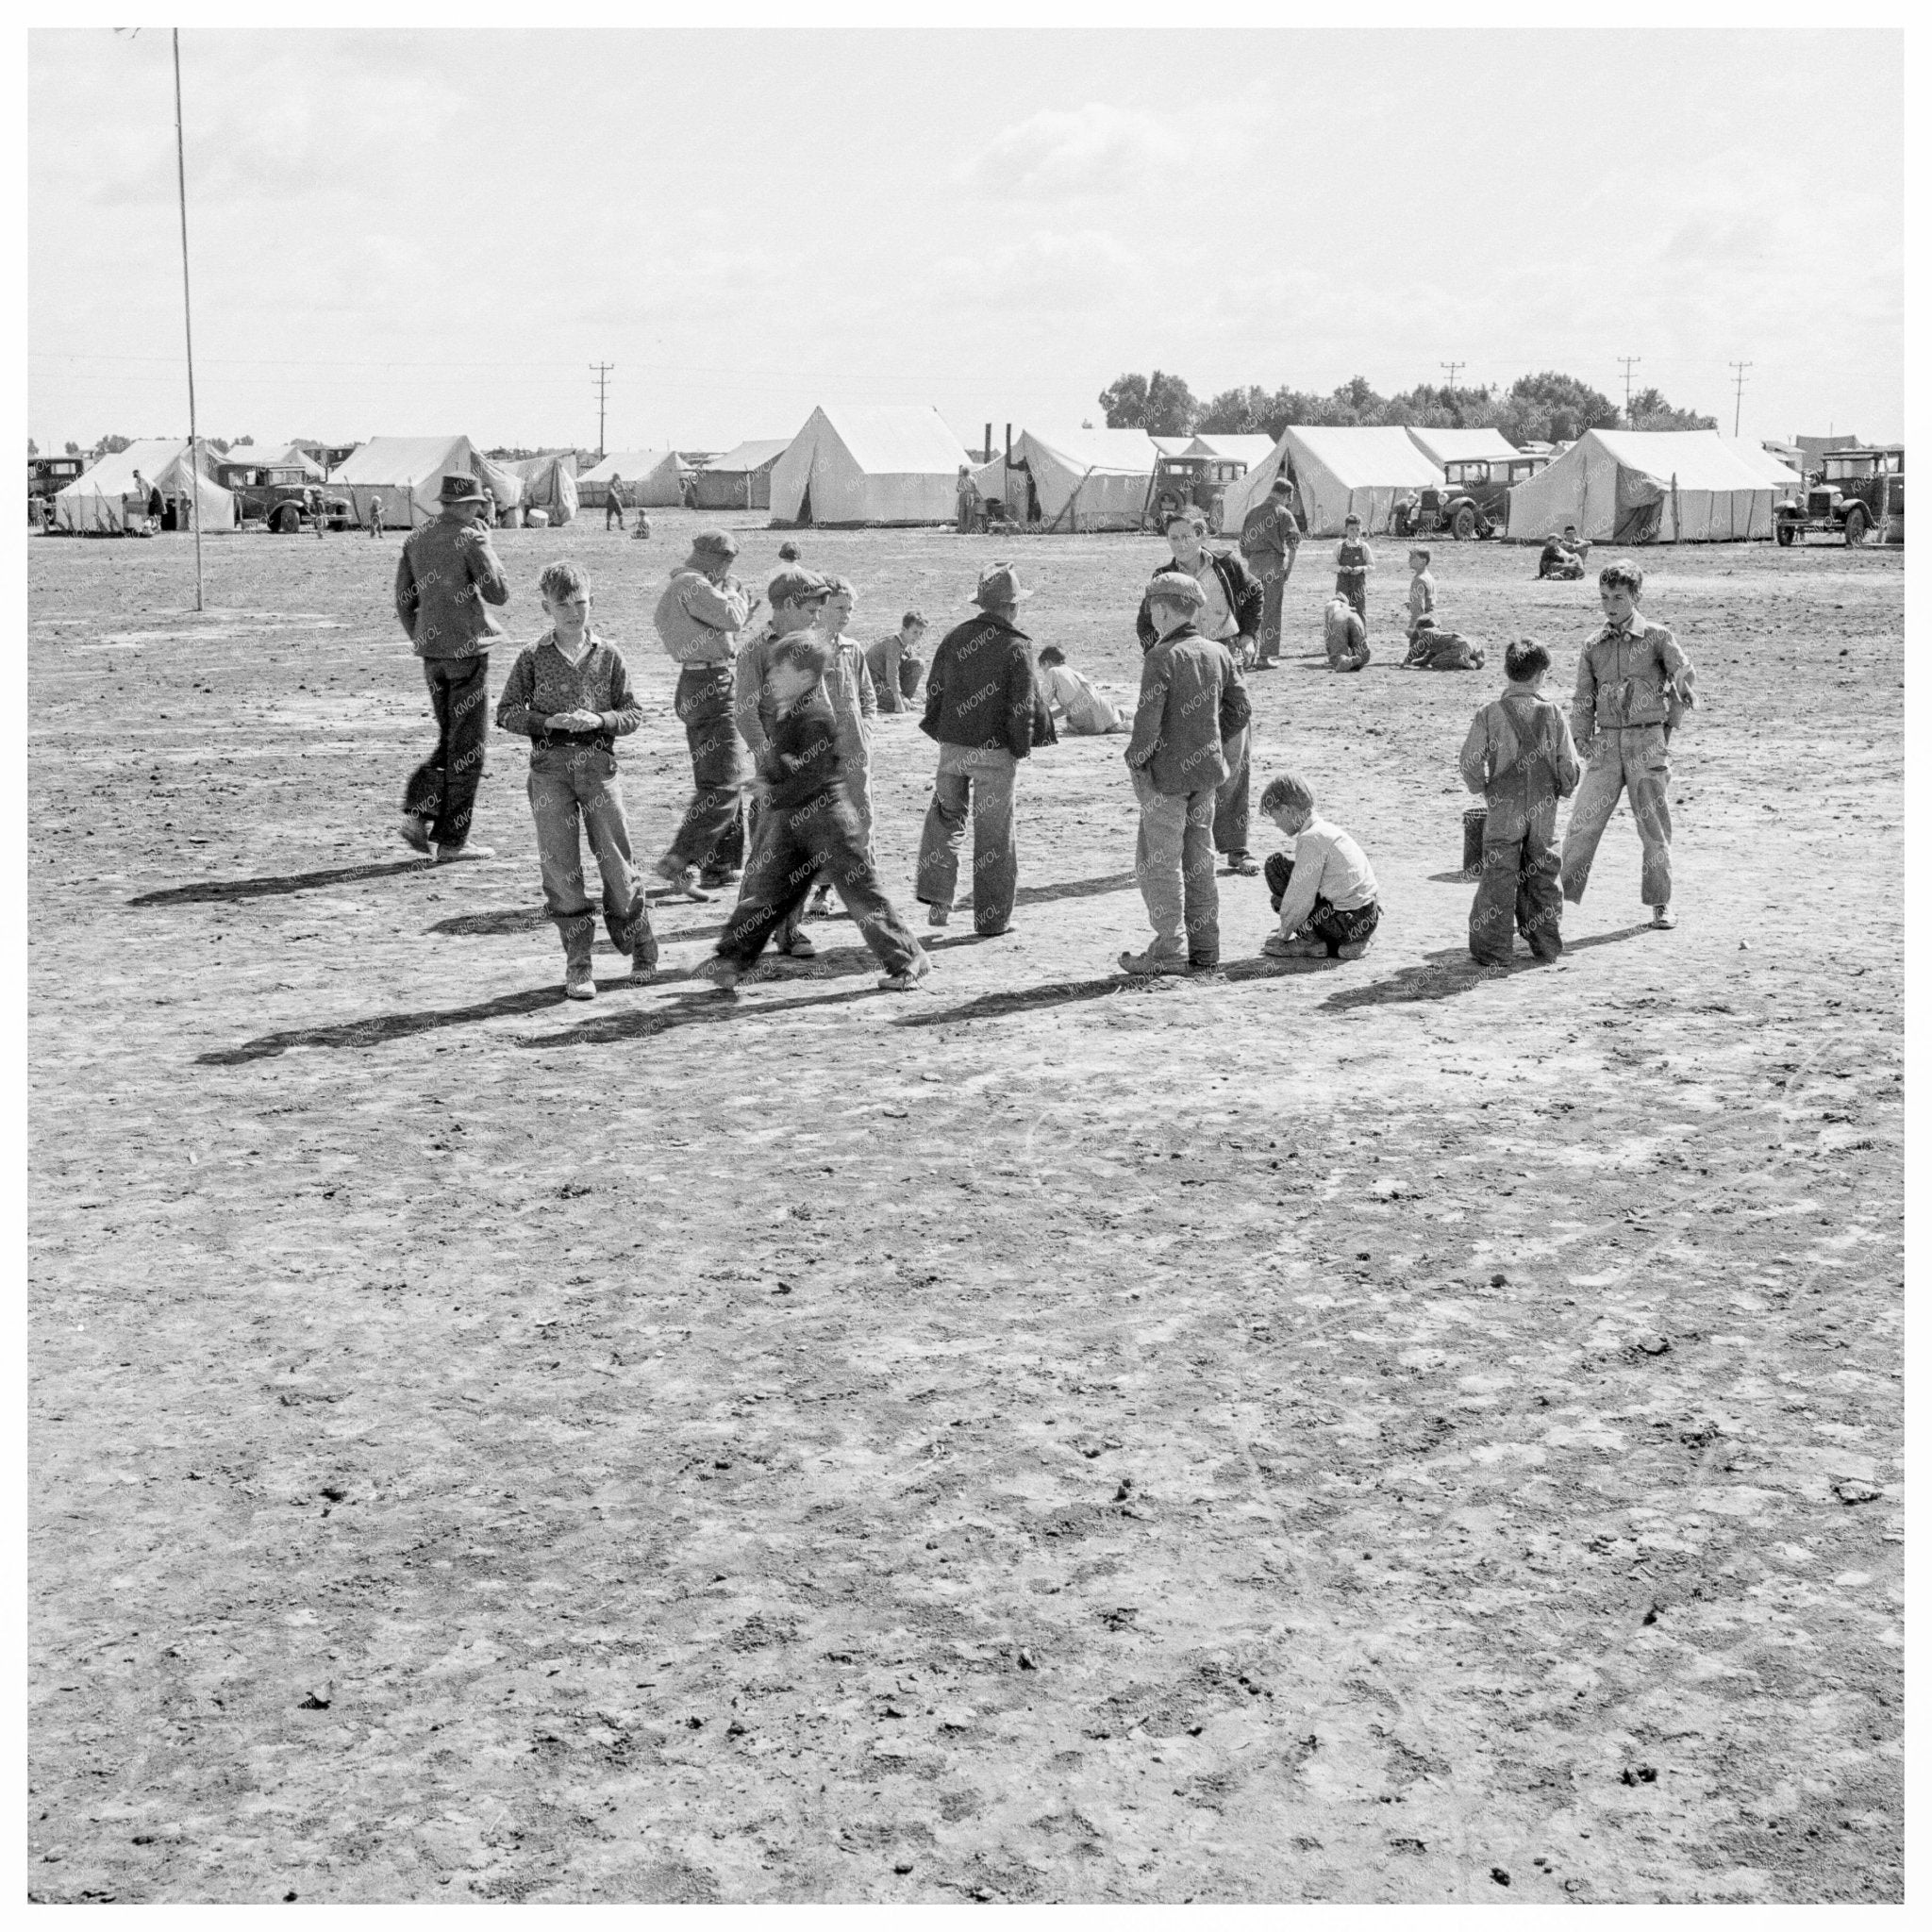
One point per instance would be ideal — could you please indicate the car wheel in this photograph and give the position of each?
(288, 520)
(1464, 524)
(1786, 536)
(1855, 528)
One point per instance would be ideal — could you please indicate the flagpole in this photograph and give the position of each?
(188, 322)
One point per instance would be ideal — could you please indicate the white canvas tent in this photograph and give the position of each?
(1171, 445)
(550, 484)
(1630, 486)
(276, 455)
(1338, 473)
(741, 477)
(652, 479)
(1461, 445)
(102, 499)
(1234, 449)
(407, 472)
(882, 464)
(1082, 479)
(1767, 463)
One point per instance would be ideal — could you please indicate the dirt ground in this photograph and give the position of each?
(1378, 1431)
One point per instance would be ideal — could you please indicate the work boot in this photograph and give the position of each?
(908, 981)
(936, 914)
(1150, 963)
(681, 877)
(643, 950)
(410, 830)
(1240, 863)
(722, 973)
(1662, 918)
(718, 876)
(577, 935)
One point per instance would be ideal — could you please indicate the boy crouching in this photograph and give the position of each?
(1326, 892)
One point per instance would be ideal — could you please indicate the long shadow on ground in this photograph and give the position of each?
(208, 890)
(381, 1027)
(1444, 974)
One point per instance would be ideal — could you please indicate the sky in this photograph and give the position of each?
(425, 232)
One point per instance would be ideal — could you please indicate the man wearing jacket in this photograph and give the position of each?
(1230, 614)
(1192, 704)
(698, 617)
(983, 704)
(1270, 537)
(447, 576)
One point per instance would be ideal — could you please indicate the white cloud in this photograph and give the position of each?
(1096, 149)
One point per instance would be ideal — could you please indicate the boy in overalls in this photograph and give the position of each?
(1354, 561)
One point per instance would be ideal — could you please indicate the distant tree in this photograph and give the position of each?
(1554, 408)
(33, 449)
(110, 446)
(1236, 413)
(1648, 410)
(218, 443)
(1161, 404)
(1125, 399)
(73, 449)
(1355, 401)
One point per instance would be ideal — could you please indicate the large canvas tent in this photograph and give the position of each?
(741, 477)
(652, 479)
(276, 455)
(407, 472)
(550, 484)
(1461, 445)
(883, 464)
(1661, 486)
(1233, 449)
(1338, 473)
(1767, 463)
(1082, 479)
(102, 499)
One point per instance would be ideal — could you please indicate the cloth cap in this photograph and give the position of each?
(1176, 587)
(714, 544)
(459, 490)
(793, 584)
(999, 585)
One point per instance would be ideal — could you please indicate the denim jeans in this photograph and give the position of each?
(1273, 587)
(979, 783)
(1334, 928)
(443, 788)
(1174, 866)
(712, 832)
(1637, 756)
(578, 785)
(790, 847)
(1231, 796)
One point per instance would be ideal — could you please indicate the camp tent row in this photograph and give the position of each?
(406, 472)
(104, 498)
(1073, 479)
(853, 465)
(652, 479)
(741, 477)
(1338, 474)
(550, 484)
(1665, 486)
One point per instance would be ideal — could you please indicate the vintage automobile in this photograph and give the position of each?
(285, 499)
(1473, 500)
(1200, 480)
(46, 477)
(1855, 490)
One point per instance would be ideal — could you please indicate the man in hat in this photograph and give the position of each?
(1270, 537)
(967, 492)
(613, 501)
(1192, 707)
(1230, 614)
(984, 706)
(699, 617)
(446, 577)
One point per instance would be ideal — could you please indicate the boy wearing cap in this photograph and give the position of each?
(807, 823)
(896, 666)
(1562, 557)
(984, 707)
(699, 616)
(446, 577)
(1230, 614)
(1633, 684)
(1192, 705)
(1270, 537)
(570, 695)
(1354, 561)
(1520, 755)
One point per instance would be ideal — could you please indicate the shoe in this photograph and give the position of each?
(991, 932)
(448, 854)
(1240, 862)
(1146, 965)
(409, 830)
(720, 971)
(798, 946)
(1353, 949)
(909, 980)
(578, 985)
(939, 915)
(718, 876)
(820, 907)
(681, 878)
(1280, 945)
(643, 961)
(1662, 918)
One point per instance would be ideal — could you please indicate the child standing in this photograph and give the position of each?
(1074, 702)
(896, 666)
(1632, 685)
(1422, 591)
(1343, 635)
(1326, 892)
(1520, 755)
(855, 704)
(1354, 561)
(569, 694)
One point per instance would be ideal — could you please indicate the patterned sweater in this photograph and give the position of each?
(543, 682)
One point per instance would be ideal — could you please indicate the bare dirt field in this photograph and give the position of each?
(1373, 1431)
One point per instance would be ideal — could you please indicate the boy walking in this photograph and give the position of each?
(807, 823)
(613, 501)
(896, 666)
(1632, 686)
(1520, 755)
(1354, 561)
(1192, 704)
(570, 695)
(854, 704)
(1325, 893)
(1270, 537)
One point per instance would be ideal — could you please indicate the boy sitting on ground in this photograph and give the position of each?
(1433, 649)
(1326, 892)
(1563, 556)
(1343, 635)
(1076, 705)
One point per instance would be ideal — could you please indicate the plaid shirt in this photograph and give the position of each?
(447, 574)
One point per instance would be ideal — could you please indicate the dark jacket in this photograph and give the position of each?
(1239, 585)
(1192, 701)
(981, 691)
(447, 574)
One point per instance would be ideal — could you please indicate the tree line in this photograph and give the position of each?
(1547, 408)
(113, 445)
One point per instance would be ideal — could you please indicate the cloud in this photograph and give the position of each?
(1096, 149)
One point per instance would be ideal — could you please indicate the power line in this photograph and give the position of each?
(1630, 362)
(1452, 368)
(1738, 417)
(602, 372)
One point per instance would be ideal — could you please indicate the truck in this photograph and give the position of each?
(1473, 501)
(1200, 480)
(46, 477)
(285, 498)
(1853, 490)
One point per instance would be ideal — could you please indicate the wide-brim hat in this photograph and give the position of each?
(999, 585)
(460, 490)
(1176, 587)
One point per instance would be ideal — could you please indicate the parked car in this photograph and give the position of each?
(1855, 490)
(1473, 499)
(1199, 480)
(283, 498)
(46, 477)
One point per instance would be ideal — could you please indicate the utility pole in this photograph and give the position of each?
(188, 320)
(1452, 368)
(602, 372)
(1738, 416)
(1630, 362)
